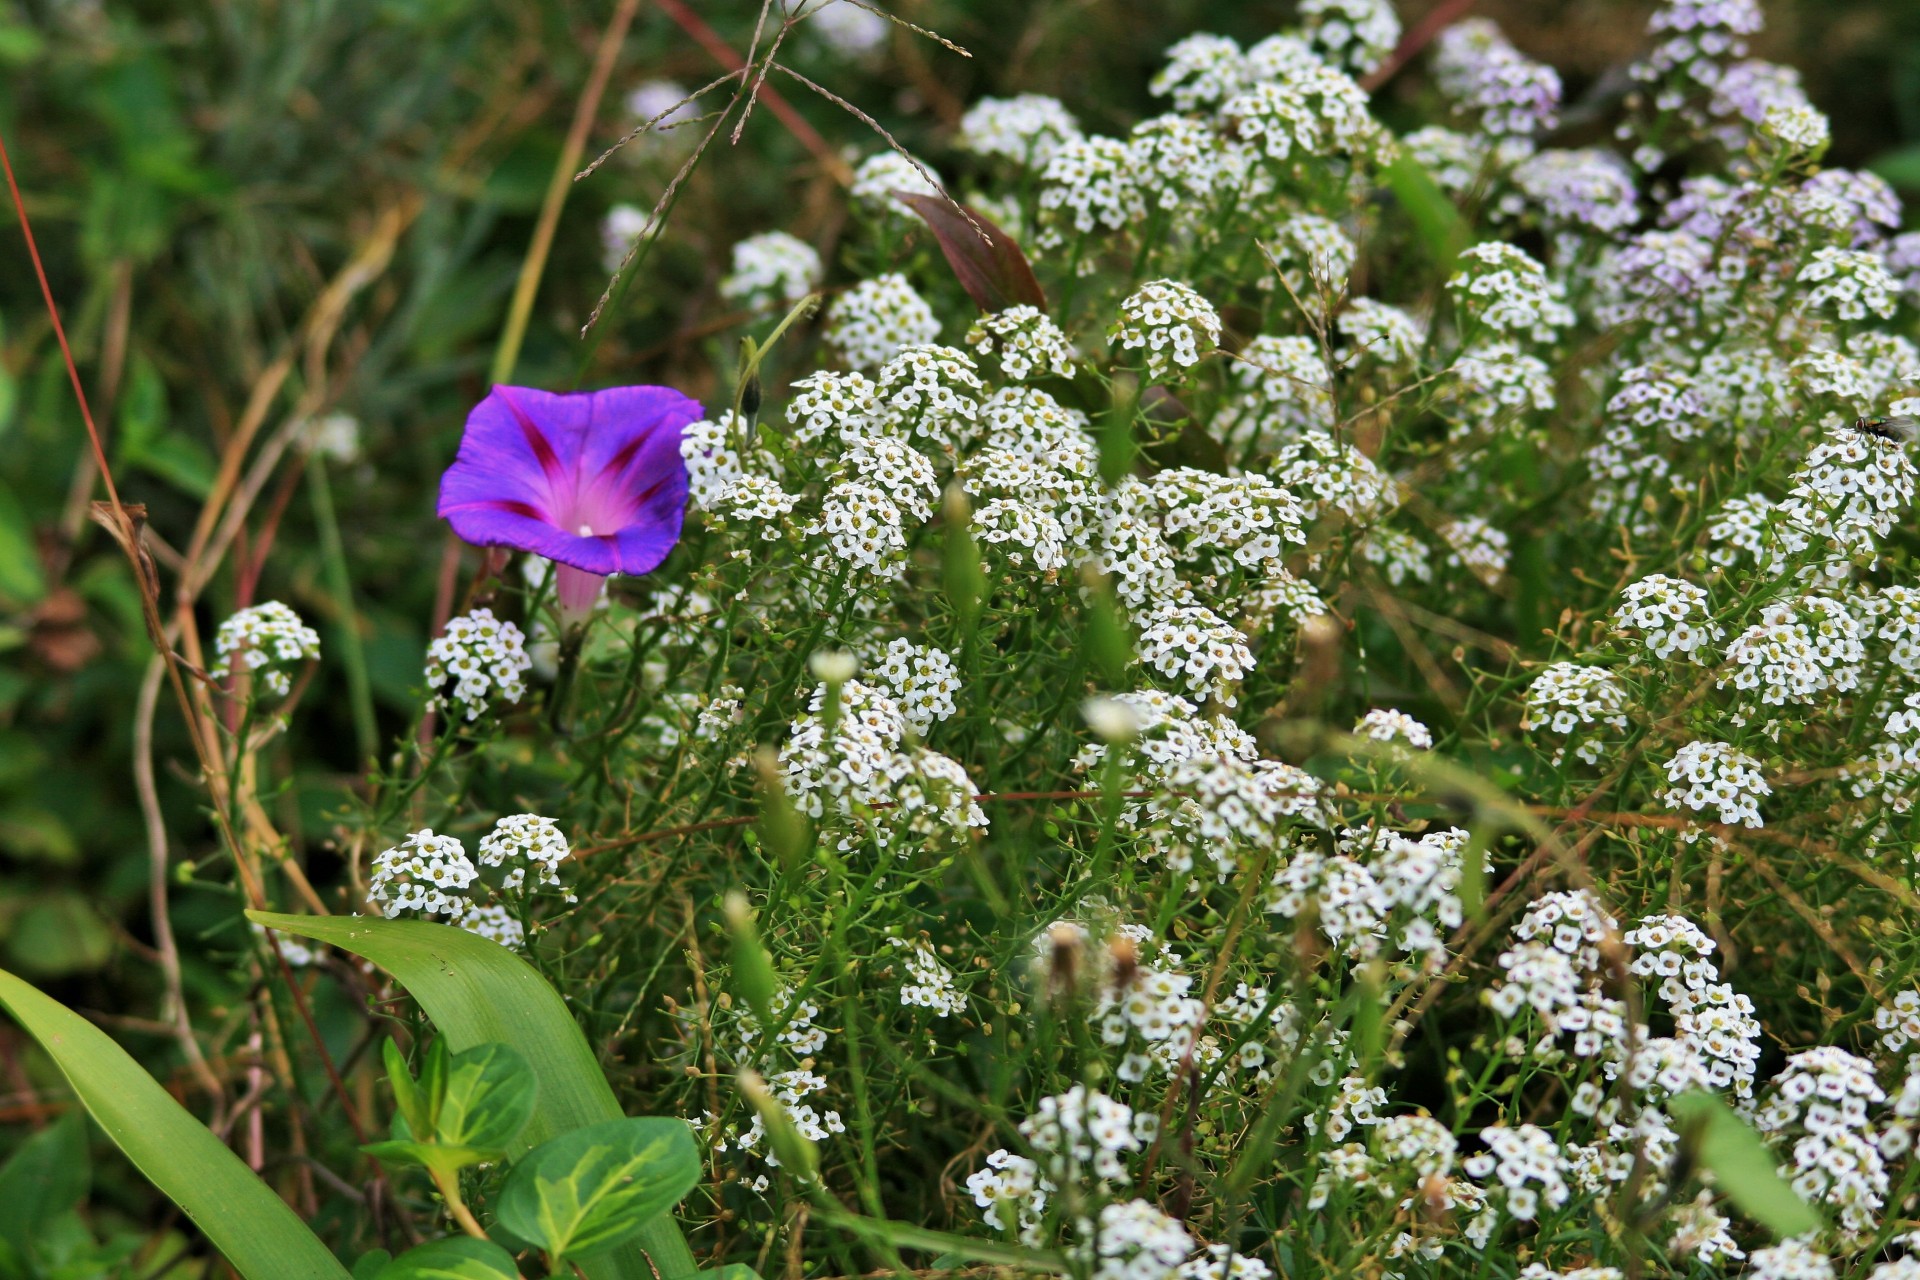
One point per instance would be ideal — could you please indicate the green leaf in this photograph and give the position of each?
(238, 1213)
(48, 1175)
(408, 1103)
(455, 1258)
(487, 1099)
(1436, 220)
(367, 1266)
(21, 581)
(1741, 1164)
(477, 991)
(587, 1191)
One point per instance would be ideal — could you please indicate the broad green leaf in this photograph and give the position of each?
(238, 1213)
(1741, 1164)
(455, 1258)
(48, 1175)
(477, 991)
(367, 1266)
(732, 1271)
(489, 1098)
(587, 1191)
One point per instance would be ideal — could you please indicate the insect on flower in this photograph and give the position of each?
(1901, 430)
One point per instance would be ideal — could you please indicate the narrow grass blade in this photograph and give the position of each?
(238, 1213)
(476, 992)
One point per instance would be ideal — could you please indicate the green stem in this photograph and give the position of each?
(353, 653)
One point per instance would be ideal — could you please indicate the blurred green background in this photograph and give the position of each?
(198, 170)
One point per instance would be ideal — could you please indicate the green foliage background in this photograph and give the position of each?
(196, 171)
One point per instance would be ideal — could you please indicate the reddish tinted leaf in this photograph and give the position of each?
(990, 267)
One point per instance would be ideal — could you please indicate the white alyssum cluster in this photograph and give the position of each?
(426, 873)
(1673, 616)
(1849, 490)
(484, 660)
(1383, 724)
(1195, 647)
(923, 679)
(526, 843)
(1525, 1164)
(883, 173)
(1822, 1099)
(1567, 697)
(871, 321)
(1500, 288)
(268, 640)
(1852, 282)
(1026, 129)
(1171, 324)
(1799, 130)
(772, 268)
(1799, 651)
(1715, 776)
(1024, 341)
(929, 983)
(1356, 35)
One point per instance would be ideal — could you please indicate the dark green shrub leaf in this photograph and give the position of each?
(590, 1190)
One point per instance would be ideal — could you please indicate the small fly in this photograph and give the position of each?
(1901, 430)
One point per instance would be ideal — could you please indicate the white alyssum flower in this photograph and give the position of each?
(1673, 616)
(1566, 697)
(1716, 776)
(483, 658)
(1193, 645)
(772, 268)
(1025, 343)
(868, 323)
(929, 983)
(1026, 129)
(1500, 288)
(268, 640)
(426, 873)
(1171, 324)
(526, 842)
(1384, 724)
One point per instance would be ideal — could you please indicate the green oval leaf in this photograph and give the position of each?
(455, 1258)
(595, 1188)
(1741, 1164)
(488, 1098)
(238, 1213)
(477, 991)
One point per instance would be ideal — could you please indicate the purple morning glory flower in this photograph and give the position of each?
(592, 480)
